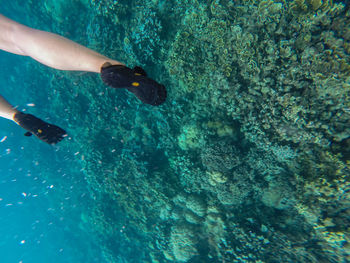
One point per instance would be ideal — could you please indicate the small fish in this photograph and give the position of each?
(3, 139)
(30, 104)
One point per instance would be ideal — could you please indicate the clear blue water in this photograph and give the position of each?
(40, 196)
(36, 225)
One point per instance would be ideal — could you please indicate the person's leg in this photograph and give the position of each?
(61, 53)
(6, 109)
(48, 48)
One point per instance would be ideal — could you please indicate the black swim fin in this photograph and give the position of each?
(46, 132)
(136, 81)
(139, 70)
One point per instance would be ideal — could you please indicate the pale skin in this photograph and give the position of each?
(49, 49)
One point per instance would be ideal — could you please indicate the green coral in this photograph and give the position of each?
(311, 5)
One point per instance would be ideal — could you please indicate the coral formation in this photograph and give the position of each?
(196, 204)
(248, 161)
(183, 243)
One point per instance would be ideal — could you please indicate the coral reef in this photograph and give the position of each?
(248, 161)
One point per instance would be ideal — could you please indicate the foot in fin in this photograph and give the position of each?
(46, 132)
(136, 81)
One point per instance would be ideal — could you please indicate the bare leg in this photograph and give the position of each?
(61, 53)
(50, 49)
(6, 109)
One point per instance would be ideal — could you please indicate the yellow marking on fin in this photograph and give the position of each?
(40, 131)
(137, 74)
(135, 84)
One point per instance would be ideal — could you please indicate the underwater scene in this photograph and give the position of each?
(246, 161)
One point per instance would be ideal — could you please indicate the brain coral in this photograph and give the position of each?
(182, 242)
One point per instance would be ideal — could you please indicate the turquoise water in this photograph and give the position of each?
(247, 161)
(41, 195)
